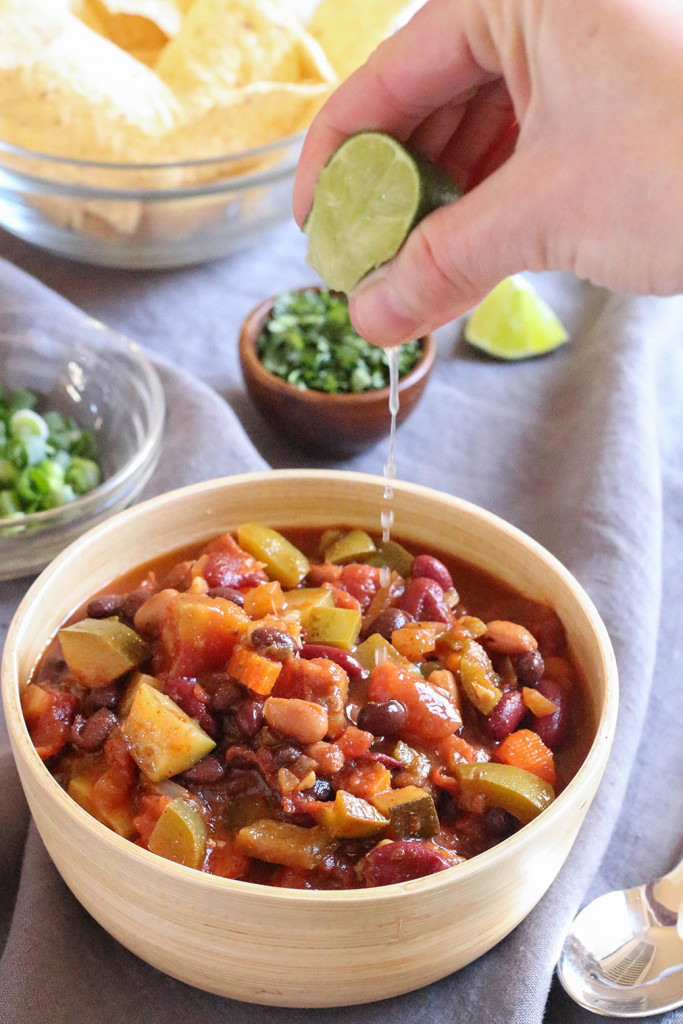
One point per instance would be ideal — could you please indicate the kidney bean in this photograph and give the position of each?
(194, 700)
(205, 772)
(322, 790)
(302, 720)
(223, 691)
(505, 637)
(506, 716)
(403, 860)
(553, 729)
(383, 718)
(228, 594)
(428, 567)
(351, 665)
(274, 643)
(529, 668)
(104, 606)
(424, 599)
(249, 717)
(387, 621)
(89, 734)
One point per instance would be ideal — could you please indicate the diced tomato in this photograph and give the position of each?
(113, 795)
(149, 812)
(49, 714)
(364, 779)
(194, 700)
(198, 634)
(319, 680)
(223, 563)
(341, 598)
(289, 878)
(431, 715)
(455, 750)
(354, 742)
(361, 581)
(224, 860)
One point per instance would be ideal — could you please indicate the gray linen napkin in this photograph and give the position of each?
(584, 450)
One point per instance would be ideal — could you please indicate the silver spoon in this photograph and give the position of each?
(623, 956)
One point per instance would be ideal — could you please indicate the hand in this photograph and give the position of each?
(561, 120)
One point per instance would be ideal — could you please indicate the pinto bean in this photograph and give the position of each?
(553, 729)
(301, 720)
(428, 567)
(89, 734)
(403, 860)
(424, 599)
(351, 665)
(505, 637)
(506, 716)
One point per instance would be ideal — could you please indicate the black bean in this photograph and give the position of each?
(383, 718)
(499, 822)
(286, 755)
(100, 697)
(506, 716)
(249, 717)
(228, 594)
(274, 643)
(205, 772)
(104, 606)
(89, 734)
(322, 790)
(529, 668)
(387, 621)
(132, 602)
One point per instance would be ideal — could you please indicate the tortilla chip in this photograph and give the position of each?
(226, 44)
(349, 30)
(67, 91)
(167, 15)
(250, 117)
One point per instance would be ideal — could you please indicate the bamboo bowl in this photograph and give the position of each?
(256, 943)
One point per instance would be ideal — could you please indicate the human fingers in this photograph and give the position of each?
(425, 66)
(457, 254)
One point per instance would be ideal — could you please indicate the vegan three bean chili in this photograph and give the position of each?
(272, 709)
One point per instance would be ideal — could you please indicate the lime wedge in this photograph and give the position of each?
(367, 198)
(514, 322)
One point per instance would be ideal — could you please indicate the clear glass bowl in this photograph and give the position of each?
(109, 386)
(144, 216)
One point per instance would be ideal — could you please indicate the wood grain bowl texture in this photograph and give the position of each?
(316, 421)
(293, 947)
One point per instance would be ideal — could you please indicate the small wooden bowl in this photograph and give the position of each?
(253, 942)
(316, 421)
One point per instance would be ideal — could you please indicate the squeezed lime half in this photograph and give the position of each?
(368, 197)
(514, 322)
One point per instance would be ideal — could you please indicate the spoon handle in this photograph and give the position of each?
(668, 890)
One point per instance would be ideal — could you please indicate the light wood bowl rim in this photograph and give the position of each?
(582, 783)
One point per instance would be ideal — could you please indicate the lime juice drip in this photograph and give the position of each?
(387, 514)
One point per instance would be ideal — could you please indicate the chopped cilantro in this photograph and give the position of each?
(308, 341)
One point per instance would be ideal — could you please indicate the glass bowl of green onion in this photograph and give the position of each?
(81, 422)
(317, 381)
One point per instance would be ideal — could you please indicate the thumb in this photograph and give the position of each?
(455, 256)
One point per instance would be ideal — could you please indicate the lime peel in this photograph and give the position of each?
(514, 322)
(367, 199)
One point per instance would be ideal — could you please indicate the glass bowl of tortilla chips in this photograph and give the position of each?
(156, 133)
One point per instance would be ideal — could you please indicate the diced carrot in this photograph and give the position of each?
(354, 741)
(253, 670)
(415, 640)
(525, 749)
(365, 780)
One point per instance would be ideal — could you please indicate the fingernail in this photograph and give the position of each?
(377, 312)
